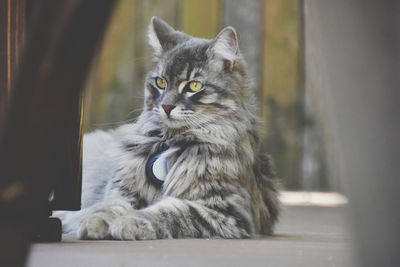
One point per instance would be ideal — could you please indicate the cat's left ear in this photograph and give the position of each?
(226, 46)
(162, 36)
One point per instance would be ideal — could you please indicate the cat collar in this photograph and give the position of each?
(157, 168)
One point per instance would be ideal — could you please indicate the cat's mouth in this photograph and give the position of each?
(178, 118)
(175, 124)
(170, 120)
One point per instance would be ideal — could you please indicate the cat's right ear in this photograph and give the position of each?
(226, 46)
(162, 36)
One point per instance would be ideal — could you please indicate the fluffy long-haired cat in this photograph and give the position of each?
(191, 166)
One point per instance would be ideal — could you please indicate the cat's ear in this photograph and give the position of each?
(226, 46)
(162, 36)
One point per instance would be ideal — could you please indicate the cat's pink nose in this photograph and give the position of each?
(168, 108)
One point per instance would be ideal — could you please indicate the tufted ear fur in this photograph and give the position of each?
(162, 36)
(226, 46)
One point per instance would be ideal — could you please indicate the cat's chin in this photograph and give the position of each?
(174, 123)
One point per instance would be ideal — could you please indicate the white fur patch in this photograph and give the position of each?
(181, 86)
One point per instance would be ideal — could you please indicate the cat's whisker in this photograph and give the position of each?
(115, 123)
(135, 110)
(138, 59)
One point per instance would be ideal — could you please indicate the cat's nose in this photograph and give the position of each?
(168, 108)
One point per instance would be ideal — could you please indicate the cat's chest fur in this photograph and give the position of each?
(150, 166)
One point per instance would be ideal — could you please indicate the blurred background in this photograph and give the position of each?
(271, 38)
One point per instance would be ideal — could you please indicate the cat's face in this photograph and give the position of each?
(194, 81)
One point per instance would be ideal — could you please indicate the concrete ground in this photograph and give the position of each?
(305, 236)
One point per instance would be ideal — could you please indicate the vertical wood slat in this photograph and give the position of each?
(282, 94)
(315, 172)
(201, 18)
(245, 17)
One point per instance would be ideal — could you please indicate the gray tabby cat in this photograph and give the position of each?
(191, 165)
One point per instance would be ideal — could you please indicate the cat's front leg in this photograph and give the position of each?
(177, 218)
(96, 222)
(132, 227)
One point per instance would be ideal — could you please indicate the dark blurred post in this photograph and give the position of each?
(12, 38)
(352, 59)
(41, 132)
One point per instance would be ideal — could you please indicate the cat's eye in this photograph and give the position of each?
(195, 86)
(161, 82)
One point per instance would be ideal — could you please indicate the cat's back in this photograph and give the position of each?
(99, 147)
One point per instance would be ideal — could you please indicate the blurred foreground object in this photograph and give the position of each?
(352, 68)
(40, 123)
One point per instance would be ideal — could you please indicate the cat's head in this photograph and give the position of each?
(194, 81)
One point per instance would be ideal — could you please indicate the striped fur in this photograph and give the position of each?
(218, 183)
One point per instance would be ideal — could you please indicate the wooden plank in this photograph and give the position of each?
(201, 18)
(282, 94)
(245, 17)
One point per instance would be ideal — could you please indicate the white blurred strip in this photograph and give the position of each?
(306, 198)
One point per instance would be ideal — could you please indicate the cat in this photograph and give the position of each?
(191, 166)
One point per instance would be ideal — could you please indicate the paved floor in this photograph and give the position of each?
(305, 236)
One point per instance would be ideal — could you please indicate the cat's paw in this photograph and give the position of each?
(132, 228)
(93, 226)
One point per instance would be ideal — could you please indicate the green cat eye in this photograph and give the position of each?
(195, 86)
(161, 82)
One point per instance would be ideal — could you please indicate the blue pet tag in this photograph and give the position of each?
(157, 168)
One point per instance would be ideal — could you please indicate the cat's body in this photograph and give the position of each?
(199, 127)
